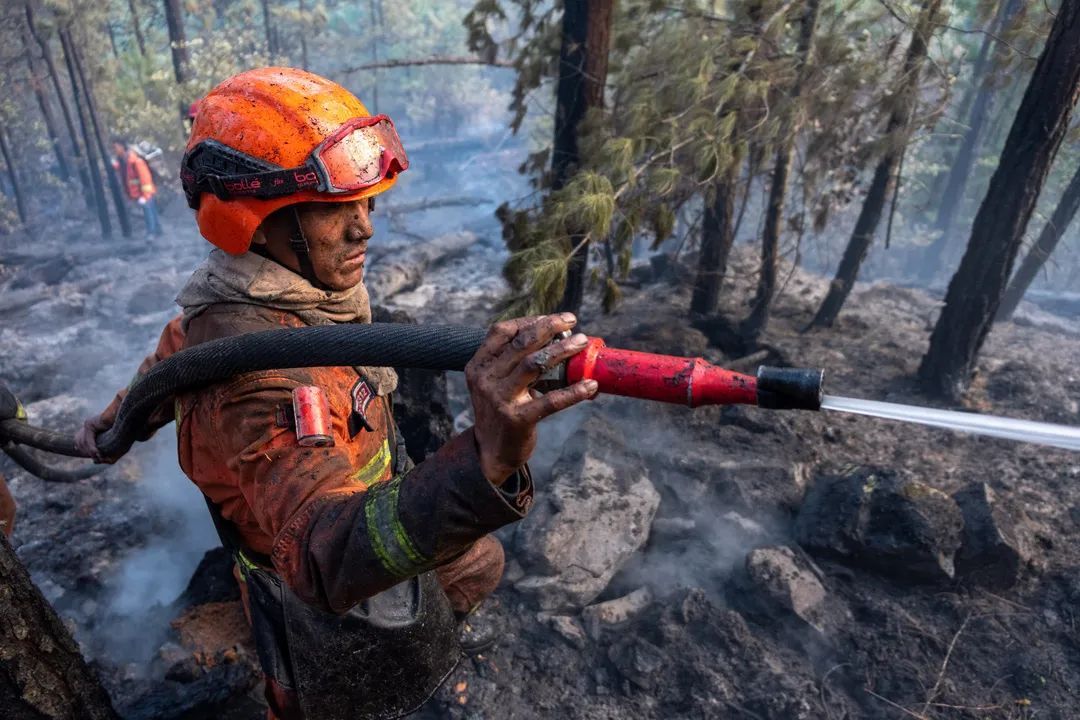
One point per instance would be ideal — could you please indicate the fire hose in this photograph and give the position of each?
(686, 381)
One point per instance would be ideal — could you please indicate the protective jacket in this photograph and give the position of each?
(135, 175)
(306, 508)
(336, 524)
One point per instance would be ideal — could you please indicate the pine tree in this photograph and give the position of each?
(977, 288)
(898, 130)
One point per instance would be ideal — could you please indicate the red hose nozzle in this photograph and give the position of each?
(691, 381)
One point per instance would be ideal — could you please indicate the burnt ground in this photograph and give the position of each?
(890, 646)
(700, 640)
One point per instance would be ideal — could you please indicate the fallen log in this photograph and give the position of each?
(433, 203)
(42, 674)
(404, 271)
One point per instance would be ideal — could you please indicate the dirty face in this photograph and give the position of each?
(337, 235)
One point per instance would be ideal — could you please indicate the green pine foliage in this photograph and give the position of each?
(691, 93)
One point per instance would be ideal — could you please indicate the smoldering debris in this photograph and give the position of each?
(702, 602)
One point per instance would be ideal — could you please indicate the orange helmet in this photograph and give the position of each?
(273, 137)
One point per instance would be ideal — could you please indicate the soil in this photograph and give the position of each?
(730, 479)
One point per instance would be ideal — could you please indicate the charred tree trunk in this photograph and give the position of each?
(46, 109)
(112, 38)
(1042, 249)
(119, 201)
(181, 58)
(753, 164)
(717, 236)
(898, 128)
(978, 78)
(42, 674)
(583, 64)
(755, 323)
(376, 20)
(996, 235)
(952, 196)
(139, 40)
(16, 188)
(88, 143)
(54, 77)
(271, 45)
(303, 37)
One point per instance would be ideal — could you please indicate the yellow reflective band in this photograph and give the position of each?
(388, 537)
(245, 564)
(375, 468)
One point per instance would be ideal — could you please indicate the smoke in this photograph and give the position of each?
(152, 576)
(700, 532)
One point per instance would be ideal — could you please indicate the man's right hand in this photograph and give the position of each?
(514, 355)
(86, 438)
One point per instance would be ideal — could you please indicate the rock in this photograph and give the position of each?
(995, 544)
(212, 581)
(639, 661)
(666, 529)
(750, 484)
(782, 586)
(703, 477)
(874, 518)
(594, 516)
(568, 628)
(513, 571)
(615, 612)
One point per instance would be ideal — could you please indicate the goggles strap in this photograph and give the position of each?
(299, 245)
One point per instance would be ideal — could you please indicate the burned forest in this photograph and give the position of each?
(523, 359)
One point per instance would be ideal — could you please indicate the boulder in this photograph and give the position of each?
(567, 627)
(780, 585)
(995, 544)
(874, 518)
(594, 516)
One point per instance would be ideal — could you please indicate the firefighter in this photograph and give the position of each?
(354, 565)
(138, 182)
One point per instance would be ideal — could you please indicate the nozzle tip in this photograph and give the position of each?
(789, 388)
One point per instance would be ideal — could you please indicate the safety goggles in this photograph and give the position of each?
(361, 153)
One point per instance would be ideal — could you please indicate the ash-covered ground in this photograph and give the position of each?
(709, 563)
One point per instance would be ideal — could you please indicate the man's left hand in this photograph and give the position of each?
(514, 355)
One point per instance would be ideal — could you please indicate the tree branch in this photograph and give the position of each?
(428, 61)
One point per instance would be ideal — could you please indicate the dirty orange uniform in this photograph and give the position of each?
(307, 509)
(136, 176)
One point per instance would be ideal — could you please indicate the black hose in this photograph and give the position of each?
(424, 347)
(21, 432)
(50, 474)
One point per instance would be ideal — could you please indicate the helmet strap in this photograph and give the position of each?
(299, 245)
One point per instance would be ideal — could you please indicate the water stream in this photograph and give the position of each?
(1062, 436)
